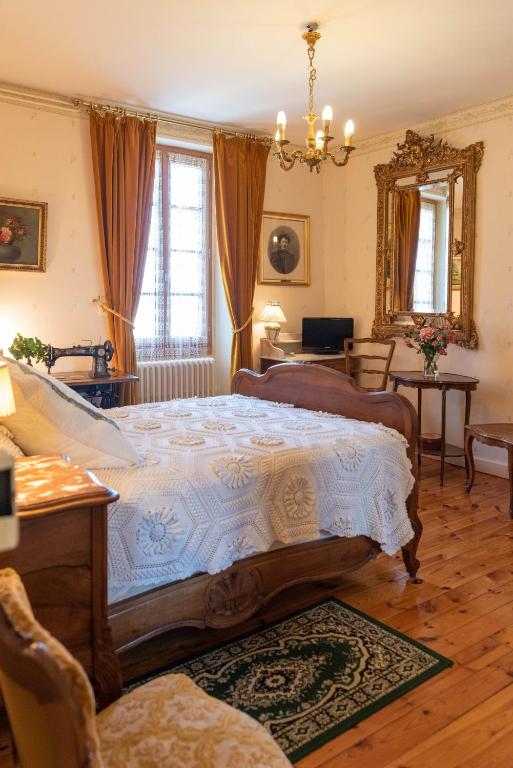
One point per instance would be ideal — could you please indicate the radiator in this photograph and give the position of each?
(167, 379)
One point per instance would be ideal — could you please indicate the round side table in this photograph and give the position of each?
(444, 382)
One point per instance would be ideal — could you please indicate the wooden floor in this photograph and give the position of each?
(462, 718)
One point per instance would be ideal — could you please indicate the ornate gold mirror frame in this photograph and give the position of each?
(422, 159)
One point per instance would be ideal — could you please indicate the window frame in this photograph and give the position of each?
(166, 150)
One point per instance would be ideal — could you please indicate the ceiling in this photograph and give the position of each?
(237, 62)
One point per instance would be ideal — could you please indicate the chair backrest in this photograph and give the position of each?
(356, 366)
(48, 698)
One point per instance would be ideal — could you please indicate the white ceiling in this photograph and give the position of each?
(385, 64)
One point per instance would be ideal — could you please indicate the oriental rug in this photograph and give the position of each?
(313, 675)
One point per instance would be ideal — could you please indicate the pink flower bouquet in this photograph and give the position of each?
(431, 342)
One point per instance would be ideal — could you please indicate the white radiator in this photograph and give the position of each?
(167, 379)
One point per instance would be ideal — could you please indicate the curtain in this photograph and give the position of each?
(123, 150)
(407, 224)
(240, 166)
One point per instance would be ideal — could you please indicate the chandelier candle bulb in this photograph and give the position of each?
(348, 133)
(281, 122)
(327, 117)
(319, 140)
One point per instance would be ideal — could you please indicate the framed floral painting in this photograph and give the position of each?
(23, 235)
(284, 249)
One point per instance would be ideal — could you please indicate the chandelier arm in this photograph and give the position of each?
(340, 163)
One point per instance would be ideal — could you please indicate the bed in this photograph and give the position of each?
(153, 592)
(282, 482)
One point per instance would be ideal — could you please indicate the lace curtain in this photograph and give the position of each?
(173, 316)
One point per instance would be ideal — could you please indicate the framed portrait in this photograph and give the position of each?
(23, 235)
(284, 249)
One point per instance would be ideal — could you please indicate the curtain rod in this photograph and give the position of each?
(159, 118)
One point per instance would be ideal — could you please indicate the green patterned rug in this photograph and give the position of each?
(313, 675)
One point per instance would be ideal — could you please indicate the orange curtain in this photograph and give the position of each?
(240, 166)
(123, 151)
(407, 225)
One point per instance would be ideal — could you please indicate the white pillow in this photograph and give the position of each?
(51, 418)
(7, 444)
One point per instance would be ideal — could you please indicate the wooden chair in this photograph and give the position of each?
(169, 721)
(354, 366)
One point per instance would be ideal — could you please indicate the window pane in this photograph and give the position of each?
(185, 185)
(185, 272)
(146, 318)
(186, 230)
(423, 287)
(150, 273)
(185, 316)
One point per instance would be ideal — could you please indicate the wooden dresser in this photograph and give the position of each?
(62, 559)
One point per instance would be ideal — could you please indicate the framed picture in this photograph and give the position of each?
(23, 235)
(284, 249)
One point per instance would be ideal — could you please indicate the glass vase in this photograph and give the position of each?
(431, 367)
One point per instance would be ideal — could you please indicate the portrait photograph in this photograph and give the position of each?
(23, 235)
(285, 249)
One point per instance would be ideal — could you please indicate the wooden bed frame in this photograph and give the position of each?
(240, 591)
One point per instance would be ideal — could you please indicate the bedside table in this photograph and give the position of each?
(62, 560)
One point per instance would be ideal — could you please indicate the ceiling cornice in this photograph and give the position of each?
(191, 130)
(492, 110)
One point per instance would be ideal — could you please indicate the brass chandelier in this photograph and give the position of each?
(316, 143)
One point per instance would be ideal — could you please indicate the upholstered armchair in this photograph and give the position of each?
(166, 722)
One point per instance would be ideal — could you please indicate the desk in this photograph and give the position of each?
(338, 362)
(444, 382)
(102, 391)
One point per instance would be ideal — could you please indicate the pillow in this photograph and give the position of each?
(52, 418)
(7, 444)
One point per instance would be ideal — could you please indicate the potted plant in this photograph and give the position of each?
(28, 347)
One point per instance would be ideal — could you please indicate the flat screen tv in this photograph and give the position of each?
(326, 335)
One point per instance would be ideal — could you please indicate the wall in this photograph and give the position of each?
(296, 191)
(45, 156)
(350, 252)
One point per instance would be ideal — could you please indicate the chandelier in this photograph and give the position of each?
(316, 143)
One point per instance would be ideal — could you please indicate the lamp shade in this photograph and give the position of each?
(7, 406)
(272, 313)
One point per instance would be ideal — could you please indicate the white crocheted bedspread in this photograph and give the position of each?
(222, 478)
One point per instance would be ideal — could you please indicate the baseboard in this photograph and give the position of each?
(488, 466)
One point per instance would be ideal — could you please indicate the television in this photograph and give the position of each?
(325, 335)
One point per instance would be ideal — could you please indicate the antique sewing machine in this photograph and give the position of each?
(101, 353)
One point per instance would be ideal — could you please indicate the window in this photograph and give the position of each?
(424, 284)
(173, 319)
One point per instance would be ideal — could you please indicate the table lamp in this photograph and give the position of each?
(272, 315)
(9, 523)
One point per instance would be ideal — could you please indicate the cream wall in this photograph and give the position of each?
(350, 248)
(44, 156)
(296, 191)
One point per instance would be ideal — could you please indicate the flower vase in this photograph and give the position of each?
(431, 367)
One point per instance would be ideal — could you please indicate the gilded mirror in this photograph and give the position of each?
(426, 234)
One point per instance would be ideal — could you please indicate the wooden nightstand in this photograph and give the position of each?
(62, 559)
